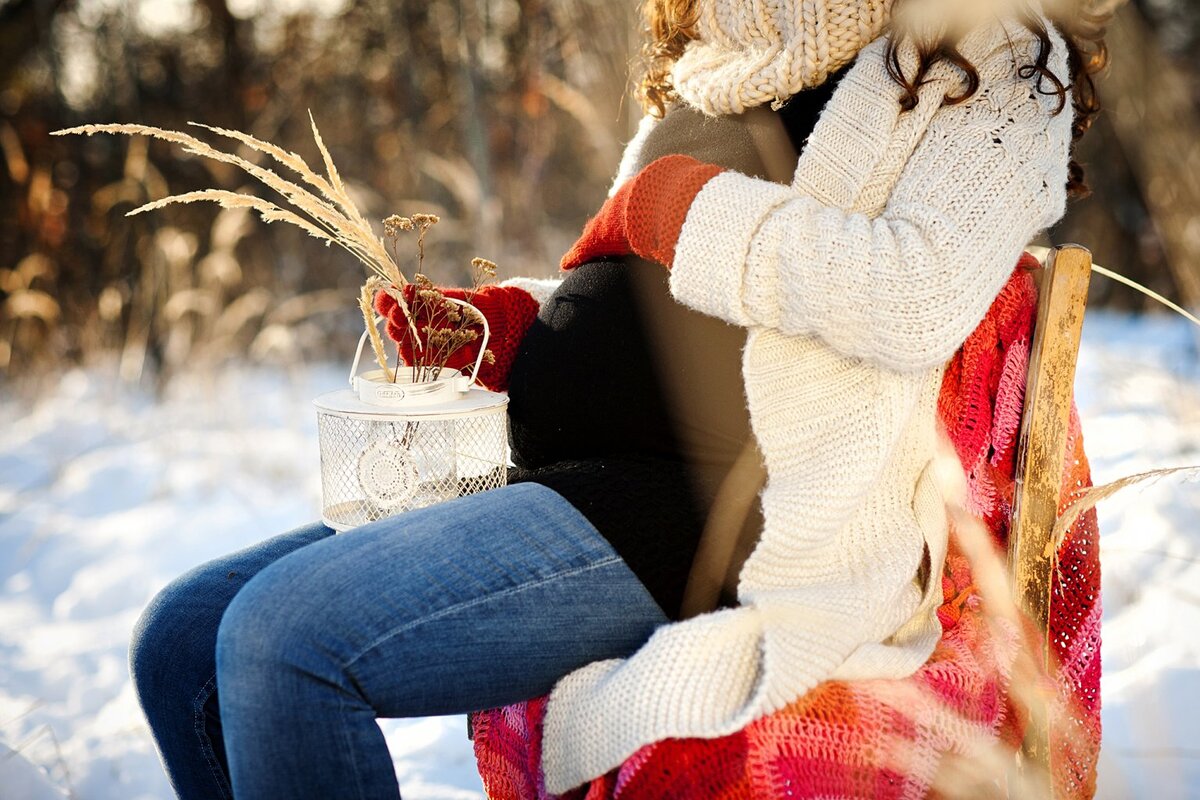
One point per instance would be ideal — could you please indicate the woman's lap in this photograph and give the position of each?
(503, 580)
(478, 602)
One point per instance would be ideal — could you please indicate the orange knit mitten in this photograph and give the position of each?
(645, 214)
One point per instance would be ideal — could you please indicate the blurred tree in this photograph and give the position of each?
(504, 116)
(1144, 156)
(23, 26)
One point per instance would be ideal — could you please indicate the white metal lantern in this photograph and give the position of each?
(388, 447)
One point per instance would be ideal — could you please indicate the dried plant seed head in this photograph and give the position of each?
(489, 357)
(473, 314)
(425, 221)
(422, 281)
(484, 266)
(462, 336)
(394, 224)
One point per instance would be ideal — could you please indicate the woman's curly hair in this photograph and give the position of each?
(671, 24)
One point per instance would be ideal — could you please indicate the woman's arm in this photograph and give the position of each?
(905, 288)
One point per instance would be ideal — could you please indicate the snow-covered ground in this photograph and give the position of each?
(106, 494)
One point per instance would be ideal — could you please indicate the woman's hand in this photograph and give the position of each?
(645, 214)
(509, 312)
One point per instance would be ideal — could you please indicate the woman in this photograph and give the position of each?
(942, 147)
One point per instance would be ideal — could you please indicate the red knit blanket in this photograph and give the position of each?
(895, 738)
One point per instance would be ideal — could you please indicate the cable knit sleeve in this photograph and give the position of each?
(904, 287)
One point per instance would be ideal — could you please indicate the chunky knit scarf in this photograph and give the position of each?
(751, 53)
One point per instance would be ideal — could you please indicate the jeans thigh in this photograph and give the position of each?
(469, 604)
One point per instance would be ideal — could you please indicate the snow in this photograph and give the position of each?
(107, 493)
(1138, 390)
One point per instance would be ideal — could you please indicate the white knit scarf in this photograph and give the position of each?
(751, 52)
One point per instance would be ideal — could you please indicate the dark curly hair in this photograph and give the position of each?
(671, 24)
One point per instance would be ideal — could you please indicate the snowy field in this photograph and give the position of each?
(105, 495)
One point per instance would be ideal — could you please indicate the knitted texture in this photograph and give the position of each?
(509, 311)
(891, 738)
(749, 54)
(857, 284)
(645, 214)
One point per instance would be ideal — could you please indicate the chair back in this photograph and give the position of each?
(1042, 449)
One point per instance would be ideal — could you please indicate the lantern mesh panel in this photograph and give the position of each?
(371, 469)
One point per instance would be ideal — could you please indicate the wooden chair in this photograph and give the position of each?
(1062, 299)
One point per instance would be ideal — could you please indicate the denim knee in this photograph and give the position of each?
(268, 631)
(172, 635)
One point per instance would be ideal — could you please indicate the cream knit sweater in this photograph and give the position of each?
(857, 283)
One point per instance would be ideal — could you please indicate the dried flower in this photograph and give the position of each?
(394, 224)
(484, 267)
(424, 221)
(473, 314)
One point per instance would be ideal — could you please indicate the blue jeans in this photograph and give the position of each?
(308, 637)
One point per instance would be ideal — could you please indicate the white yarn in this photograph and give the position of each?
(857, 283)
(750, 53)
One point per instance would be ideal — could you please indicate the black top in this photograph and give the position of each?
(631, 405)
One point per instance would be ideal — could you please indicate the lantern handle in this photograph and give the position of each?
(358, 351)
(487, 335)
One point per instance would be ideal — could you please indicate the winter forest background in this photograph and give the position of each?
(155, 372)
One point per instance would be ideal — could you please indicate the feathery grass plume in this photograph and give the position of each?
(1091, 496)
(366, 303)
(322, 207)
(334, 178)
(226, 199)
(343, 223)
(293, 161)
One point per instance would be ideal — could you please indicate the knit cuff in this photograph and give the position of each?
(708, 272)
(539, 289)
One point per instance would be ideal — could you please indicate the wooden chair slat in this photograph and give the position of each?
(1062, 301)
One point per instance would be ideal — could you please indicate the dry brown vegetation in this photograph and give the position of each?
(504, 117)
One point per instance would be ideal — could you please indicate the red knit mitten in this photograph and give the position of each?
(645, 214)
(510, 312)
